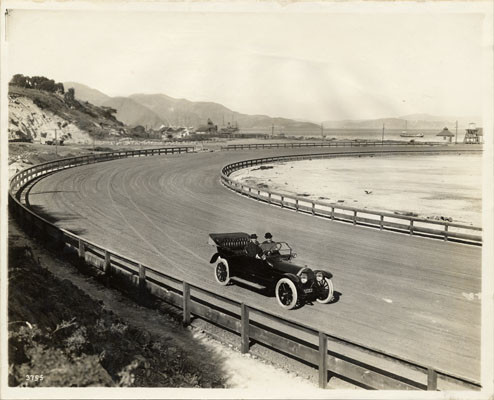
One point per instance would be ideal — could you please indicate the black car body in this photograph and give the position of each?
(293, 284)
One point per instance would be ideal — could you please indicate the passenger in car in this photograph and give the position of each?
(253, 249)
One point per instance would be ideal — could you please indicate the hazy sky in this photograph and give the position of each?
(298, 65)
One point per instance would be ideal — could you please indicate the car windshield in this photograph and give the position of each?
(275, 249)
(284, 248)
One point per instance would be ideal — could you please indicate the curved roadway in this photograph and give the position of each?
(406, 295)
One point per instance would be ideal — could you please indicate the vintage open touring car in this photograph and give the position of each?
(293, 285)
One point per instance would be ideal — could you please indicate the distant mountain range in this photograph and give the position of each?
(412, 122)
(155, 110)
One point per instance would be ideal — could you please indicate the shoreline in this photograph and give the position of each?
(446, 187)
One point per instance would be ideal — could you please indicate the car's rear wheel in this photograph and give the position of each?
(326, 293)
(286, 293)
(222, 272)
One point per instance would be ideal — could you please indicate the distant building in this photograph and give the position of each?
(170, 132)
(210, 128)
(473, 135)
(446, 134)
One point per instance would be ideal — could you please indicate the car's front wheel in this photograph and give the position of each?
(222, 272)
(286, 293)
(326, 293)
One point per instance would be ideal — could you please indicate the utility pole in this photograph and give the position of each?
(382, 138)
(272, 130)
(456, 132)
(56, 142)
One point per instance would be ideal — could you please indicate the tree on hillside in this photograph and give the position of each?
(69, 96)
(47, 85)
(19, 80)
(59, 88)
(138, 130)
(37, 82)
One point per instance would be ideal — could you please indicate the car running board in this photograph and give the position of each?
(246, 282)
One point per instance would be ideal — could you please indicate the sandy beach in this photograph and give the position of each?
(431, 186)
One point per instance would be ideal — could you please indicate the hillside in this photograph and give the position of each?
(132, 113)
(154, 110)
(190, 113)
(86, 93)
(40, 116)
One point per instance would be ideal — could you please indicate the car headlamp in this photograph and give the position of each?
(303, 278)
(319, 276)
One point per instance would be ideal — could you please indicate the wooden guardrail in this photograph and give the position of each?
(335, 143)
(38, 170)
(318, 348)
(357, 216)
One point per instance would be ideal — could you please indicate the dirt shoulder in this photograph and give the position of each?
(63, 324)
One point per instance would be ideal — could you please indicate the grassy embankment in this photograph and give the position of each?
(59, 332)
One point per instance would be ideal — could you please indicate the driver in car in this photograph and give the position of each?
(269, 246)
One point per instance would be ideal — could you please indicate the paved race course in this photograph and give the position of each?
(404, 295)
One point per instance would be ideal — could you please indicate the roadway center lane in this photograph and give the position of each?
(405, 295)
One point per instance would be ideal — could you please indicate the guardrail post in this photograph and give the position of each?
(296, 205)
(411, 227)
(258, 195)
(282, 198)
(381, 222)
(82, 249)
(106, 265)
(332, 213)
(354, 217)
(58, 240)
(431, 379)
(244, 329)
(446, 232)
(186, 303)
(313, 208)
(142, 280)
(323, 360)
(269, 197)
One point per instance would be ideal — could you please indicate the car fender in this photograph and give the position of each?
(326, 274)
(214, 258)
(292, 277)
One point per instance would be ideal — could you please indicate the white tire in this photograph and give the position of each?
(286, 293)
(222, 272)
(328, 285)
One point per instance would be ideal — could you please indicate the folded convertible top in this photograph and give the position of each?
(231, 240)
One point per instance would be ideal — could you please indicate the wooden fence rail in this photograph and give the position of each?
(244, 319)
(354, 143)
(382, 220)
